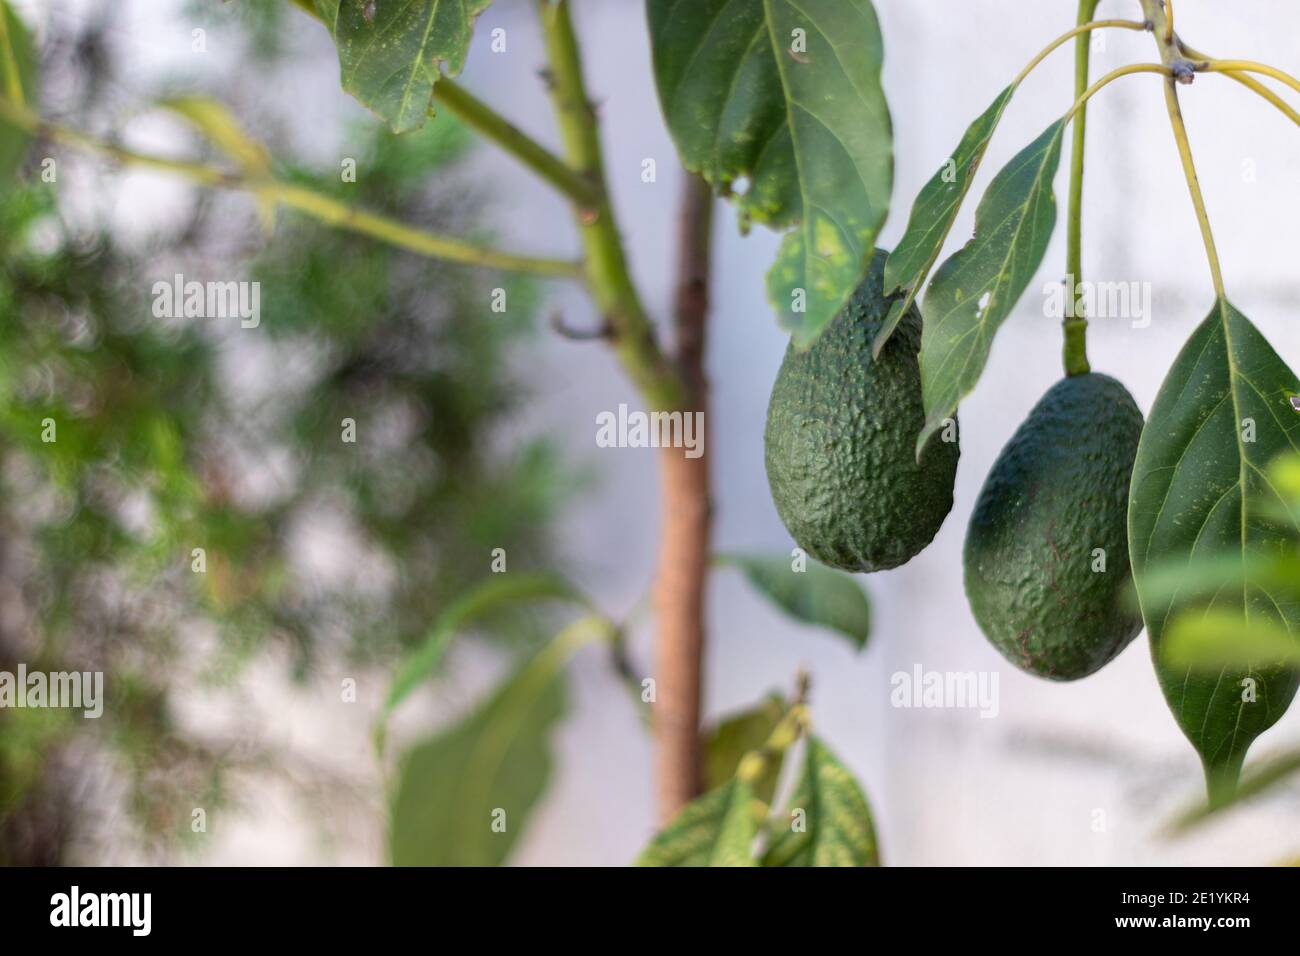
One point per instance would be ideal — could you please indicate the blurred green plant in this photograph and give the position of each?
(159, 450)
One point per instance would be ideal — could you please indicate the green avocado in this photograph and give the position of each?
(841, 441)
(1046, 557)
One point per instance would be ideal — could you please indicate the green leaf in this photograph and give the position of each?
(452, 787)
(820, 596)
(933, 215)
(493, 593)
(801, 116)
(729, 740)
(17, 85)
(828, 822)
(974, 291)
(1258, 780)
(717, 829)
(1198, 490)
(391, 54)
(1215, 639)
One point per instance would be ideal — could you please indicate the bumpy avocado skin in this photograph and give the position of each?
(841, 441)
(1058, 491)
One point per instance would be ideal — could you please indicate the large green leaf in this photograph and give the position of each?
(726, 743)
(453, 787)
(391, 54)
(974, 291)
(1199, 489)
(493, 593)
(828, 822)
(17, 85)
(787, 96)
(818, 595)
(933, 215)
(717, 829)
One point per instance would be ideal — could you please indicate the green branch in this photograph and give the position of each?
(483, 119)
(608, 277)
(324, 208)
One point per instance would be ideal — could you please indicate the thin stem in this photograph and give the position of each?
(1075, 350)
(13, 83)
(1108, 79)
(1081, 30)
(324, 208)
(1248, 81)
(1249, 66)
(608, 278)
(1194, 184)
(479, 116)
(1169, 21)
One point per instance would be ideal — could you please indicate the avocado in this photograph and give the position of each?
(1046, 556)
(841, 441)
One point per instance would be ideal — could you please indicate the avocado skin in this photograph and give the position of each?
(1058, 490)
(841, 441)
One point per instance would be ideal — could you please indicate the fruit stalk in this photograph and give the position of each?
(1076, 324)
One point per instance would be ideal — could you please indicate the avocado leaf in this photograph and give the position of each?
(17, 85)
(717, 829)
(788, 97)
(1259, 780)
(1201, 489)
(933, 215)
(818, 595)
(495, 592)
(491, 767)
(974, 291)
(828, 822)
(391, 54)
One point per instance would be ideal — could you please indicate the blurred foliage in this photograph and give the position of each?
(194, 433)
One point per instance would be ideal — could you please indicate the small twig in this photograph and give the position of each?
(603, 331)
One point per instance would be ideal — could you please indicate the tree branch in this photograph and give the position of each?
(324, 208)
(682, 576)
(605, 263)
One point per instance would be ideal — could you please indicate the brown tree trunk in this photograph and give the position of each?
(682, 578)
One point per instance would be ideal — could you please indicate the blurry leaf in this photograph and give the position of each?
(1211, 573)
(1258, 780)
(17, 85)
(1198, 484)
(820, 596)
(933, 215)
(727, 742)
(454, 786)
(717, 829)
(974, 291)
(787, 96)
(493, 593)
(836, 820)
(1212, 640)
(391, 54)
